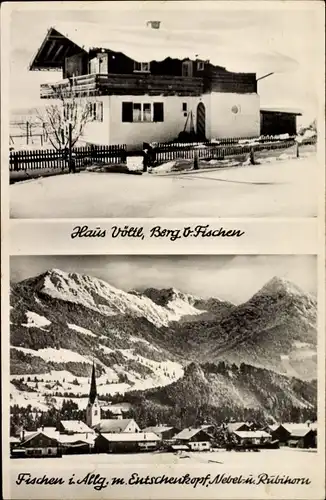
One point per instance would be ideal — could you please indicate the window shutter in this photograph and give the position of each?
(127, 111)
(158, 114)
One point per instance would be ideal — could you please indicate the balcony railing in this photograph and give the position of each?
(117, 84)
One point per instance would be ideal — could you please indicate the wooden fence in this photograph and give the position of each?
(59, 159)
(169, 152)
(219, 142)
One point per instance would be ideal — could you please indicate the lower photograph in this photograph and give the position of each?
(183, 371)
(163, 358)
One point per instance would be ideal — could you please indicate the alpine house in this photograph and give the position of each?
(149, 92)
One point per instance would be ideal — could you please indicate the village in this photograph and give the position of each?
(123, 435)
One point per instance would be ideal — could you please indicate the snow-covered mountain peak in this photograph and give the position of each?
(98, 295)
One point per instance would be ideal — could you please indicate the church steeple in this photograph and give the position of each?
(93, 391)
(93, 412)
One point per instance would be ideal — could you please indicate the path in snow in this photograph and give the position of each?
(280, 188)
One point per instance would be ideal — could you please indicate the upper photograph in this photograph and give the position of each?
(164, 109)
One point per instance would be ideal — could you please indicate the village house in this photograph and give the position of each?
(164, 432)
(302, 438)
(40, 445)
(126, 442)
(295, 435)
(252, 437)
(79, 443)
(196, 439)
(134, 99)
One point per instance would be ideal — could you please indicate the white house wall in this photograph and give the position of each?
(98, 132)
(226, 123)
(221, 121)
(135, 133)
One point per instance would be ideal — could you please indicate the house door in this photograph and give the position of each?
(201, 122)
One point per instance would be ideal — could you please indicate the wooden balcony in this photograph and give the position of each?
(117, 84)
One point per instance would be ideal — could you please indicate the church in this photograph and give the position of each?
(116, 435)
(93, 415)
(96, 435)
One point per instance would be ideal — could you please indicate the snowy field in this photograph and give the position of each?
(275, 188)
(221, 457)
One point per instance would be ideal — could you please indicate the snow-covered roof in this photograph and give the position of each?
(158, 428)
(76, 426)
(88, 438)
(111, 425)
(189, 433)
(300, 432)
(234, 426)
(292, 427)
(251, 434)
(40, 433)
(130, 436)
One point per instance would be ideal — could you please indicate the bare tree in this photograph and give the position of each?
(68, 110)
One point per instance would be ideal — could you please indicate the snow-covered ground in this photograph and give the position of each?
(285, 187)
(55, 355)
(47, 385)
(34, 320)
(222, 457)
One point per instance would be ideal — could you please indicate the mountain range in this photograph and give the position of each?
(156, 340)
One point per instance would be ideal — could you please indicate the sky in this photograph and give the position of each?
(233, 278)
(276, 36)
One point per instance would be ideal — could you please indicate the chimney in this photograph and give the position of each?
(22, 434)
(42, 428)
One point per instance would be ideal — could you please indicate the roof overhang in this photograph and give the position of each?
(53, 51)
(288, 111)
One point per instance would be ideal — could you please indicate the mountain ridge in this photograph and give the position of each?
(140, 340)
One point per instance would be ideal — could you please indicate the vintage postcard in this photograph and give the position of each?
(163, 261)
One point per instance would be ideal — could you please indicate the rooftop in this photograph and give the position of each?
(112, 425)
(233, 426)
(252, 434)
(64, 39)
(130, 436)
(189, 433)
(281, 109)
(76, 426)
(158, 428)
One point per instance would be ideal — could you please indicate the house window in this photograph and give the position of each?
(147, 112)
(187, 68)
(184, 106)
(200, 65)
(142, 112)
(49, 451)
(136, 112)
(142, 67)
(95, 110)
(95, 413)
